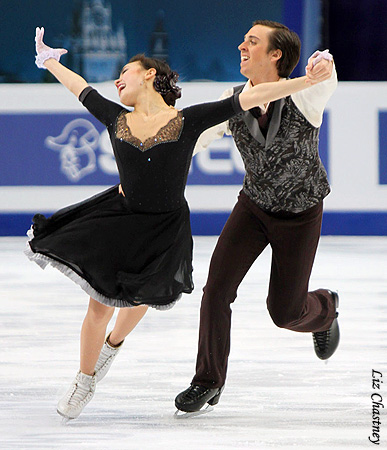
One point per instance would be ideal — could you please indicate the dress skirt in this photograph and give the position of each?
(119, 257)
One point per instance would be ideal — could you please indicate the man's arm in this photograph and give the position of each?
(311, 102)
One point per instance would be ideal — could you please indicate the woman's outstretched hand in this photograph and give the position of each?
(319, 68)
(43, 51)
(48, 58)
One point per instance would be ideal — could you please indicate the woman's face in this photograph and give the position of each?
(129, 82)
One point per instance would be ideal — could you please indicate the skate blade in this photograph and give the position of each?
(186, 415)
(65, 420)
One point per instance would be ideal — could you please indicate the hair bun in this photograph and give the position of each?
(166, 86)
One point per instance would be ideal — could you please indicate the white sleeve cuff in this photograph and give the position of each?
(312, 101)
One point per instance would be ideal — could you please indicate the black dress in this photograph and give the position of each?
(137, 249)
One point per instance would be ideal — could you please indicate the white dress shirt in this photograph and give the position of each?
(311, 102)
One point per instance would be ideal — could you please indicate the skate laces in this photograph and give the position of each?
(195, 391)
(106, 355)
(322, 338)
(79, 393)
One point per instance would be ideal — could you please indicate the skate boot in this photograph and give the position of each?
(326, 342)
(196, 396)
(78, 396)
(106, 358)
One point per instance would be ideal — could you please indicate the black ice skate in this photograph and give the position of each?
(195, 397)
(326, 342)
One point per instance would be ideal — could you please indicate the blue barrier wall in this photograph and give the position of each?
(53, 153)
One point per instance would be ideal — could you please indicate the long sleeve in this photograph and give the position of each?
(216, 132)
(101, 108)
(312, 101)
(206, 115)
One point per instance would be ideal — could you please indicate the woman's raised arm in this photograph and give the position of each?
(48, 58)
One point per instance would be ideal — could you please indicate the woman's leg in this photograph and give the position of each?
(93, 334)
(82, 388)
(127, 320)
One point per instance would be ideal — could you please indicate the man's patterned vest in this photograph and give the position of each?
(284, 171)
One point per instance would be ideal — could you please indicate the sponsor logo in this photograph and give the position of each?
(76, 146)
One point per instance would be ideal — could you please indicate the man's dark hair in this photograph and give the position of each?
(285, 40)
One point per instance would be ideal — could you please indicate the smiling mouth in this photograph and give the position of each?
(244, 58)
(120, 87)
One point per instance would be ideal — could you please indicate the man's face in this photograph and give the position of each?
(254, 57)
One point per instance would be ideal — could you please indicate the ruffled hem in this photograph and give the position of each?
(43, 260)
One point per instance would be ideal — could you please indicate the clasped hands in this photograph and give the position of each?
(319, 68)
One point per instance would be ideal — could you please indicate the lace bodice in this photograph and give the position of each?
(168, 133)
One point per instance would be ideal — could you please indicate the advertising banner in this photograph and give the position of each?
(54, 153)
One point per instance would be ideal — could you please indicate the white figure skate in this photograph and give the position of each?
(106, 358)
(78, 396)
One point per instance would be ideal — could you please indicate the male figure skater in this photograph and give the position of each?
(280, 205)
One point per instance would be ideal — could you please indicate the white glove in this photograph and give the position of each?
(43, 51)
(318, 56)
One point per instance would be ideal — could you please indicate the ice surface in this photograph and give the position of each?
(278, 394)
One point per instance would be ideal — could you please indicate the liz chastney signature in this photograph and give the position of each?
(377, 407)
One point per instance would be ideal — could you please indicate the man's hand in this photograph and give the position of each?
(319, 68)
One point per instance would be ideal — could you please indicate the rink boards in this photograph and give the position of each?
(54, 153)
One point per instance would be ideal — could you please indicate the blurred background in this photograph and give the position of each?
(53, 153)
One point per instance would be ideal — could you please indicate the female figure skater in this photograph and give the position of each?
(131, 246)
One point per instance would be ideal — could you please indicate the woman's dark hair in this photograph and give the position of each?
(165, 79)
(285, 40)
